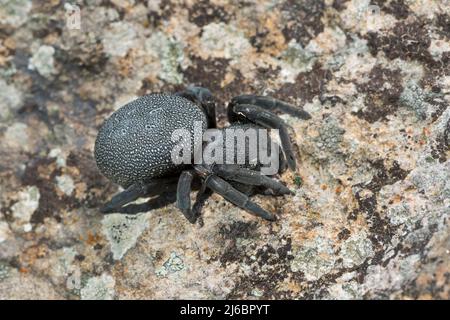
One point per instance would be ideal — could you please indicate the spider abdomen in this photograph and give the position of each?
(134, 144)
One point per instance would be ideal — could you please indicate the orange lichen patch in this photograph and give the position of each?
(59, 193)
(3, 60)
(44, 171)
(323, 187)
(290, 285)
(51, 39)
(80, 190)
(229, 78)
(125, 64)
(360, 222)
(6, 46)
(151, 79)
(274, 41)
(300, 234)
(31, 254)
(289, 176)
(71, 170)
(5, 54)
(313, 215)
(338, 189)
(397, 198)
(10, 43)
(92, 239)
(23, 270)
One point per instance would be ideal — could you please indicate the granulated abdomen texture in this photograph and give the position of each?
(134, 144)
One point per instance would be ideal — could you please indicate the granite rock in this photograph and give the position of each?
(370, 215)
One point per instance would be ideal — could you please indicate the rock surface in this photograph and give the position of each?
(370, 214)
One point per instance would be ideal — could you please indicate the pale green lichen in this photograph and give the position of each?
(314, 259)
(65, 184)
(23, 209)
(43, 61)
(257, 293)
(345, 291)
(4, 271)
(66, 259)
(10, 99)
(170, 55)
(5, 232)
(59, 156)
(119, 38)
(357, 49)
(356, 250)
(172, 265)
(330, 136)
(417, 99)
(14, 12)
(433, 181)
(99, 288)
(221, 40)
(16, 136)
(294, 60)
(64, 269)
(73, 281)
(122, 231)
(401, 214)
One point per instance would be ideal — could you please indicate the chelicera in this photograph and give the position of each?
(133, 149)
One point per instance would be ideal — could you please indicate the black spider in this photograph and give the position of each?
(133, 148)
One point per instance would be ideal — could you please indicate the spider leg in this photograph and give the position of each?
(137, 190)
(283, 163)
(268, 120)
(271, 104)
(184, 195)
(236, 197)
(184, 189)
(205, 99)
(202, 195)
(250, 177)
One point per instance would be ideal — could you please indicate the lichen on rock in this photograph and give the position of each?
(123, 231)
(355, 250)
(43, 61)
(99, 288)
(314, 259)
(10, 99)
(14, 13)
(26, 205)
(169, 52)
